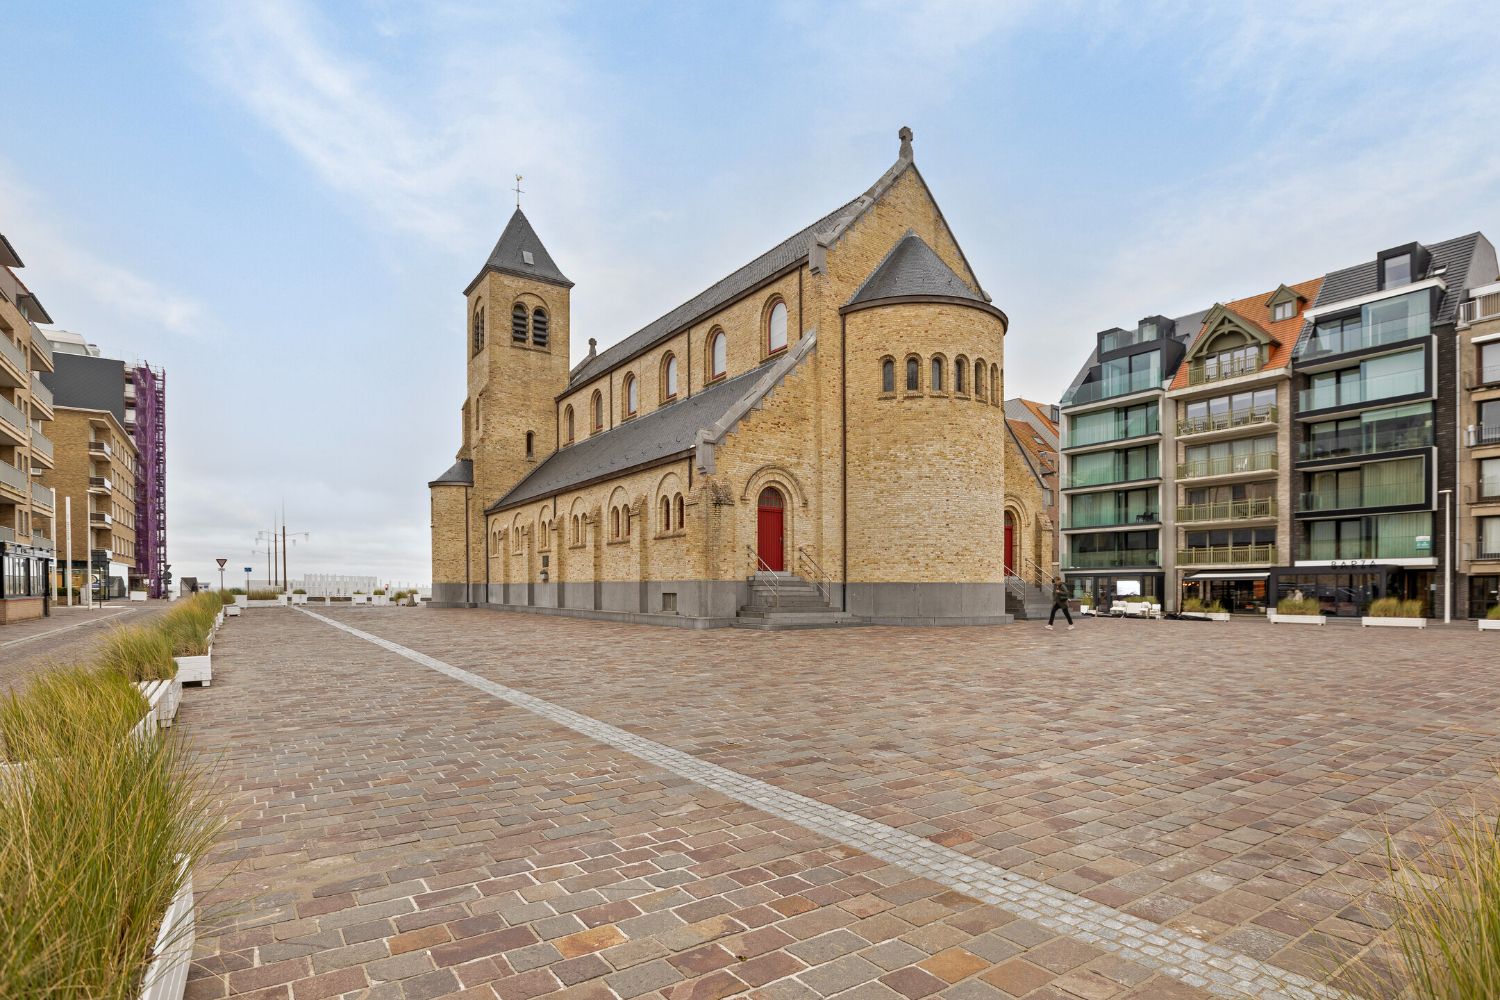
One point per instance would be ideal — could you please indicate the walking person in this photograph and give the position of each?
(1059, 603)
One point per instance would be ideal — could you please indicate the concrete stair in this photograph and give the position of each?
(1032, 603)
(786, 601)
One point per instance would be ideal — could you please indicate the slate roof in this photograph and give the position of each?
(912, 268)
(1253, 311)
(1184, 329)
(8, 255)
(461, 473)
(88, 383)
(781, 256)
(1456, 255)
(508, 257)
(670, 430)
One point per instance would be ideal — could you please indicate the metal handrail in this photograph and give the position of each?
(821, 579)
(775, 587)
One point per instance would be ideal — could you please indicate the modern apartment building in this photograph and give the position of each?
(27, 507)
(1230, 404)
(1115, 447)
(98, 469)
(1337, 439)
(1477, 540)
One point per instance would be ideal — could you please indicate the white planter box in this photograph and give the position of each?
(380, 600)
(219, 618)
(1489, 624)
(232, 611)
(273, 603)
(162, 699)
(299, 598)
(166, 978)
(138, 595)
(241, 599)
(196, 669)
(1278, 617)
(1368, 621)
(360, 599)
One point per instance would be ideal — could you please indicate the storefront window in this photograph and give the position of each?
(1484, 593)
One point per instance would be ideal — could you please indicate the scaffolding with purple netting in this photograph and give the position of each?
(150, 385)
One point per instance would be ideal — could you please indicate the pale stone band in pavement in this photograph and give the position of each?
(1198, 963)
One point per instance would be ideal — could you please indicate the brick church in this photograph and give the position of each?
(816, 438)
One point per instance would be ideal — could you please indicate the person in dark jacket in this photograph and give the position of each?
(1059, 603)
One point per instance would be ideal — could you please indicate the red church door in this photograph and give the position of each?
(770, 529)
(1010, 545)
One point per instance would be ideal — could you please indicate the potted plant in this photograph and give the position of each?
(1298, 611)
(1194, 607)
(359, 597)
(1393, 612)
(299, 596)
(143, 656)
(1491, 621)
(189, 628)
(380, 597)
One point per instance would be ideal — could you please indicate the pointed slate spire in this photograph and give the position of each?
(519, 251)
(912, 268)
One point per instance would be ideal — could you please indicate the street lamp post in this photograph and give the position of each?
(1447, 555)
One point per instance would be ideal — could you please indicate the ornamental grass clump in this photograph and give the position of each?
(264, 594)
(187, 627)
(225, 596)
(98, 832)
(1193, 604)
(1298, 606)
(1493, 614)
(1395, 607)
(139, 653)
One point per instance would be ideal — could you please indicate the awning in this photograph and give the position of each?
(1229, 576)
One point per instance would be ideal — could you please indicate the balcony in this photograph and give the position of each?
(1481, 435)
(99, 449)
(1206, 371)
(1227, 465)
(100, 484)
(14, 371)
(1091, 392)
(1113, 519)
(1228, 510)
(42, 497)
(42, 450)
(1485, 305)
(41, 396)
(1120, 472)
(1220, 555)
(1122, 430)
(7, 534)
(1354, 443)
(1113, 560)
(1226, 421)
(14, 428)
(1388, 321)
(1397, 494)
(1356, 391)
(1127, 338)
(16, 482)
(99, 519)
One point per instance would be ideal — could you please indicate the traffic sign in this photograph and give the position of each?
(221, 562)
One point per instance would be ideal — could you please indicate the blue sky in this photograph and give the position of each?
(282, 201)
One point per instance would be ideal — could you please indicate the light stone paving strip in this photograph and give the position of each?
(1200, 964)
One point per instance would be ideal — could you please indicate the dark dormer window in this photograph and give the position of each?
(1395, 271)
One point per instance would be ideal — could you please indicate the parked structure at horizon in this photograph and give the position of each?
(825, 421)
(27, 507)
(1309, 440)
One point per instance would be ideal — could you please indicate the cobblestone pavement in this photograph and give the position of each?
(68, 636)
(400, 833)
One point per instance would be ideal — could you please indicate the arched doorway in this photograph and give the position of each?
(1010, 544)
(770, 528)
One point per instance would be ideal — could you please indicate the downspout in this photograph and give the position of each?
(1458, 423)
(486, 562)
(844, 454)
(468, 557)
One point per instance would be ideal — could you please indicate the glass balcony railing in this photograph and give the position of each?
(1364, 442)
(1108, 388)
(1120, 430)
(1119, 472)
(1382, 547)
(1406, 491)
(1113, 560)
(1226, 465)
(1224, 421)
(1351, 392)
(1126, 338)
(1388, 321)
(1222, 554)
(1206, 370)
(1112, 519)
(1228, 510)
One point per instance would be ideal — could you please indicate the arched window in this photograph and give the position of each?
(632, 395)
(478, 414)
(568, 424)
(913, 374)
(718, 354)
(518, 324)
(669, 378)
(888, 375)
(994, 385)
(935, 376)
(577, 530)
(961, 375)
(597, 405)
(478, 329)
(539, 328)
(776, 328)
(979, 379)
(530, 445)
(677, 502)
(664, 522)
(544, 529)
(614, 522)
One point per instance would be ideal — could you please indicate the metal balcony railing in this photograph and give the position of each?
(1479, 309)
(99, 484)
(11, 353)
(1407, 491)
(40, 393)
(14, 478)
(1228, 510)
(1480, 434)
(1206, 370)
(1224, 421)
(11, 414)
(41, 444)
(1227, 465)
(1226, 554)
(42, 496)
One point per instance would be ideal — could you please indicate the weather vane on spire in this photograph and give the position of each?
(518, 191)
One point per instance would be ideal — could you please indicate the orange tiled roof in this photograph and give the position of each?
(1042, 411)
(1254, 311)
(1042, 457)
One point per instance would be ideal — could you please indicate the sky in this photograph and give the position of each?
(281, 202)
